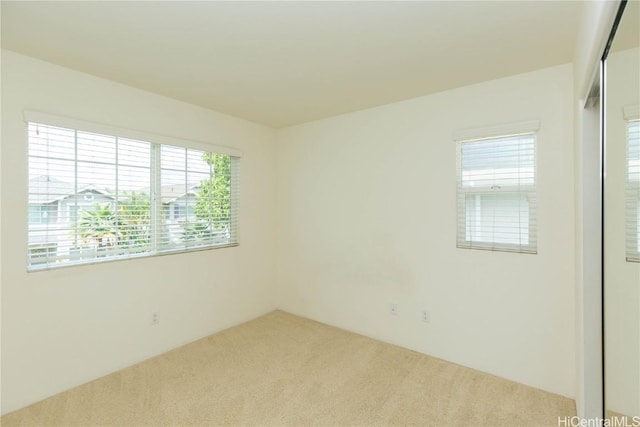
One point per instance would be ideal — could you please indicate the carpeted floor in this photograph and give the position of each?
(281, 369)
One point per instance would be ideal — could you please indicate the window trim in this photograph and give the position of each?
(497, 131)
(530, 127)
(86, 126)
(154, 139)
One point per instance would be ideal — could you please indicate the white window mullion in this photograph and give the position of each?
(632, 192)
(235, 200)
(521, 230)
(116, 205)
(76, 237)
(187, 223)
(155, 198)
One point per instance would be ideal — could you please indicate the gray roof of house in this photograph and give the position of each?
(47, 189)
(170, 193)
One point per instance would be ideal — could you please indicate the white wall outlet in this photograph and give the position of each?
(155, 318)
(393, 309)
(425, 315)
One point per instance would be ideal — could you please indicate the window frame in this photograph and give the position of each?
(529, 191)
(631, 115)
(155, 140)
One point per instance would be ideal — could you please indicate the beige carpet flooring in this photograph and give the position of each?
(281, 369)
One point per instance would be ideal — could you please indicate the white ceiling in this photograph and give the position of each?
(283, 63)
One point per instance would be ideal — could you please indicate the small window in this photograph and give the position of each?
(497, 193)
(41, 214)
(96, 197)
(633, 191)
(178, 211)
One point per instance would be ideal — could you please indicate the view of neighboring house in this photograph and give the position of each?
(178, 204)
(55, 207)
(54, 201)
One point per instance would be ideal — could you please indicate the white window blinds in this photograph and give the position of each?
(632, 230)
(198, 200)
(496, 197)
(94, 197)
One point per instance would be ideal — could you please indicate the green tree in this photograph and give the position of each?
(134, 220)
(128, 227)
(213, 204)
(98, 225)
(196, 231)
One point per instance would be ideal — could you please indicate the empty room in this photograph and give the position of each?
(320, 213)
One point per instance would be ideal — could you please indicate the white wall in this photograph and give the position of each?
(1, 238)
(595, 24)
(367, 215)
(622, 279)
(64, 327)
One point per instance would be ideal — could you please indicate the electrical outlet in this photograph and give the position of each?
(425, 316)
(155, 318)
(393, 309)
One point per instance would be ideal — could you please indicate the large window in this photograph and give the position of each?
(96, 197)
(496, 198)
(633, 191)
